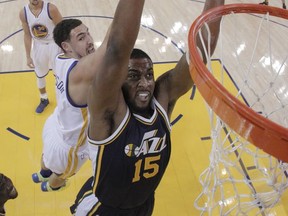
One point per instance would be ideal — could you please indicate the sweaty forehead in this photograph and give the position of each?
(140, 63)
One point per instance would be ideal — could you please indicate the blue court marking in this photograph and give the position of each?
(176, 119)
(251, 168)
(205, 138)
(18, 71)
(30, 71)
(6, 1)
(193, 92)
(165, 62)
(203, 2)
(6, 38)
(17, 134)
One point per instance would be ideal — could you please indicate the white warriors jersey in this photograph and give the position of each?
(71, 120)
(42, 26)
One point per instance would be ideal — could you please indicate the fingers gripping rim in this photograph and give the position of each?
(260, 131)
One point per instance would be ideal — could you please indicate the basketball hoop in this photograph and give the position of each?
(249, 122)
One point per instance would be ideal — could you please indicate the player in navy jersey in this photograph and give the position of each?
(129, 125)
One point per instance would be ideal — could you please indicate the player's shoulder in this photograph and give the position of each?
(52, 7)
(22, 14)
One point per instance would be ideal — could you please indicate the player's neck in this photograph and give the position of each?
(146, 113)
(36, 9)
(71, 55)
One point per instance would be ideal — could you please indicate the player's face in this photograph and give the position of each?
(81, 42)
(139, 86)
(7, 189)
(35, 2)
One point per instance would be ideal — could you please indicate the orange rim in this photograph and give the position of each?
(258, 130)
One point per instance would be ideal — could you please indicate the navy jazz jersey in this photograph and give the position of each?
(131, 162)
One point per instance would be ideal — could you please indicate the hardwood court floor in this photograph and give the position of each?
(21, 152)
(21, 147)
(164, 37)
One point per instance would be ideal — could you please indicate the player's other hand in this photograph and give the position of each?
(30, 62)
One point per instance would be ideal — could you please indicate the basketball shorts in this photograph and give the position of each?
(90, 206)
(93, 151)
(85, 189)
(58, 156)
(43, 55)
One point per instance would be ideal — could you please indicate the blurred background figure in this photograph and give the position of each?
(38, 20)
(7, 191)
(266, 2)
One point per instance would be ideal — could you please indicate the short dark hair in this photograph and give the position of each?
(62, 30)
(138, 53)
(6, 193)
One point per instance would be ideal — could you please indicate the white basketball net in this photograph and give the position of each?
(242, 179)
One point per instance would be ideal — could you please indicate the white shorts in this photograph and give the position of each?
(86, 205)
(93, 152)
(59, 157)
(43, 55)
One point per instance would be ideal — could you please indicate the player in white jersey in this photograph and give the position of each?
(38, 20)
(64, 135)
(65, 147)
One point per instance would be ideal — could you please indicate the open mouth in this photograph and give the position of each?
(91, 50)
(143, 96)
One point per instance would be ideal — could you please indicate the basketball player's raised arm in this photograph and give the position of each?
(105, 98)
(176, 82)
(113, 68)
(107, 63)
